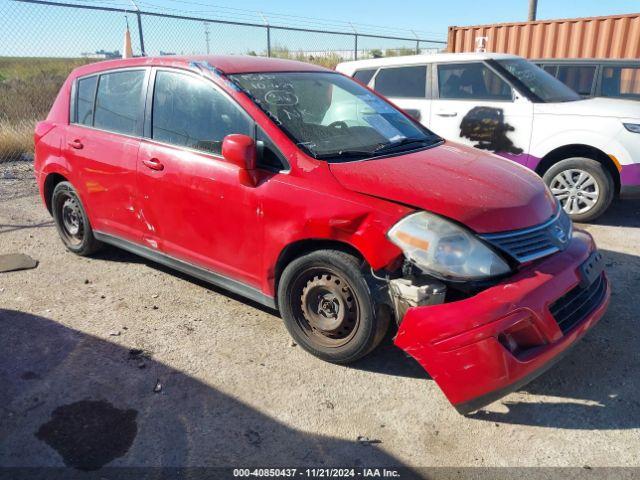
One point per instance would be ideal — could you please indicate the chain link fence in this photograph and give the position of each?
(42, 41)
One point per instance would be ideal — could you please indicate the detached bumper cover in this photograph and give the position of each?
(481, 348)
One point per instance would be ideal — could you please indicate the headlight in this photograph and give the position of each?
(632, 127)
(444, 249)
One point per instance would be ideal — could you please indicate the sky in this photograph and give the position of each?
(38, 30)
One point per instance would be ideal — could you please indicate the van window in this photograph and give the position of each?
(551, 70)
(471, 81)
(118, 102)
(364, 76)
(402, 82)
(623, 82)
(578, 78)
(84, 100)
(190, 112)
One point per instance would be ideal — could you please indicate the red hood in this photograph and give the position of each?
(482, 191)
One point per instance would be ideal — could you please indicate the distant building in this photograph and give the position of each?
(102, 54)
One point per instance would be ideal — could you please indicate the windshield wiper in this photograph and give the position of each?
(345, 154)
(392, 146)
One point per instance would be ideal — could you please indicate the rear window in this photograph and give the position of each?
(578, 78)
(365, 76)
(402, 82)
(118, 102)
(622, 82)
(84, 100)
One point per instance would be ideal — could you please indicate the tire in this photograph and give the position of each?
(328, 308)
(577, 182)
(71, 221)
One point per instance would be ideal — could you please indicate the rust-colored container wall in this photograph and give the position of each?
(615, 36)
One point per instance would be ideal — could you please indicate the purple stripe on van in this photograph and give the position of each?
(630, 174)
(522, 158)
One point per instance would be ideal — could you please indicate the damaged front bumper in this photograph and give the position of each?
(481, 348)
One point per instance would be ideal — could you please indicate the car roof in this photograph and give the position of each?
(420, 59)
(604, 61)
(228, 64)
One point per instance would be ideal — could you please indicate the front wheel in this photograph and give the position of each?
(583, 186)
(328, 308)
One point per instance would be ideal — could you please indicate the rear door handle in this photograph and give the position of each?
(77, 144)
(446, 113)
(153, 164)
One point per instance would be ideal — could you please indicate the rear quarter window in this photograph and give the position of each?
(86, 92)
(364, 76)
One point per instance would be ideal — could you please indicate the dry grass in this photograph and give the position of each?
(28, 87)
(16, 139)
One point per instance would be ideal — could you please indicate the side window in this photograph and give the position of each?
(621, 82)
(471, 81)
(86, 91)
(365, 76)
(119, 101)
(551, 70)
(402, 82)
(578, 78)
(190, 112)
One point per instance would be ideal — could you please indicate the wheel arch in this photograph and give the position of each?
(580, 150)
(302, 247)
(50, 182)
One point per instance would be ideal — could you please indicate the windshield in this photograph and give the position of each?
(333, 117)
(543, 86)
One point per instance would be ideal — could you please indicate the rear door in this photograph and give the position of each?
(193, 205)
(407, 87)
(474, 105)
(102, 145)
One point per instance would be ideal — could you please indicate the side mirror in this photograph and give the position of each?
(240, 150)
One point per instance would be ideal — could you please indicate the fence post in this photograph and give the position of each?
(142, 52)
(268, 41)
(355, 47)
(417, 47)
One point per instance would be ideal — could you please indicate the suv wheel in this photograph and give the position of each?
(583, 186)
(71, 220)
(328, 308)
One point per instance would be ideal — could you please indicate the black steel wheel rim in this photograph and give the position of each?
(325, 307)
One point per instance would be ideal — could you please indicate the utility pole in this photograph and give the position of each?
(533, 7)
(206, 36)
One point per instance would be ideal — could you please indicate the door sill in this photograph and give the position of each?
(208, 276)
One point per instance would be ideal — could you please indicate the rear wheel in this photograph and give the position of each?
(328, 308)
(583, 186)
(71, 220)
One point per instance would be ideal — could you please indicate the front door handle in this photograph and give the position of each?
(153, 164)
(77, 144)
(446, 113)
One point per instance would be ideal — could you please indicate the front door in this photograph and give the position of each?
(475, 106)
(193, 205)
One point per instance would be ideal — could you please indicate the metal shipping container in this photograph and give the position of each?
(615, 36)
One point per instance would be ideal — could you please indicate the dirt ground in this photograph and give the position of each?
(193, 376)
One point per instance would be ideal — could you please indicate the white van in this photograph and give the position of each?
(587, 150)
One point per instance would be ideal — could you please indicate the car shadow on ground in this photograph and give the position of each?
(621, 213)
(596, 385)
(72, 398)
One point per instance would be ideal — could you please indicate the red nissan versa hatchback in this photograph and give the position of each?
(299, 188)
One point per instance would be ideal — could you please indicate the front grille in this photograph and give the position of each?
(536, 242)
(579, 302)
